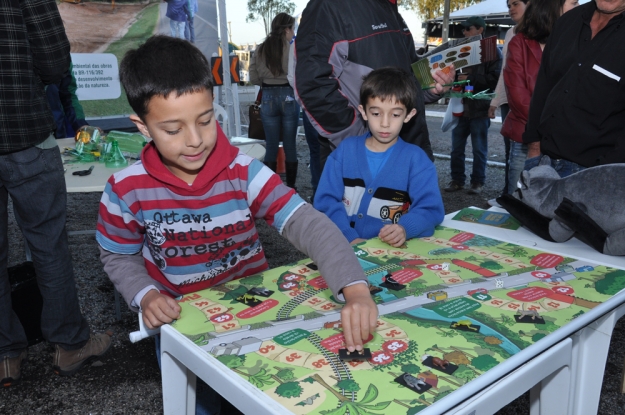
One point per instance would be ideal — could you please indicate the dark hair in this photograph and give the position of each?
(273, 46)
(523, 1)
(539, 18)
(389, 83)
(160, 66)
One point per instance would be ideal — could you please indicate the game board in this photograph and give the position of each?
(456, 304)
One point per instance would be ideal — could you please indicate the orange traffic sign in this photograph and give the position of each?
(218, 72)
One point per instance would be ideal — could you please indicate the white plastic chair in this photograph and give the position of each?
(222, 116)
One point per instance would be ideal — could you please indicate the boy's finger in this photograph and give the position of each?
(174, 305)
(347, 331)
(357, 331)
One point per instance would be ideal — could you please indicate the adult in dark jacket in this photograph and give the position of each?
(337, 44)
(35, 52)
(475, 120)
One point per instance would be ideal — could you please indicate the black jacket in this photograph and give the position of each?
(483, 77)
(339, 42)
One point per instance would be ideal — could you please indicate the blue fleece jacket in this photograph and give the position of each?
(405, 191)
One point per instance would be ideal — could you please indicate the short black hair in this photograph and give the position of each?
(389, 83)
(162, 65)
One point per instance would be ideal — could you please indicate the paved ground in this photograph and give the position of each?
(127, 381)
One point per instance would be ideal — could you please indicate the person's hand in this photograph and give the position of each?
(357, 241)
(359, 316)
(441, 79)
(394, 235)
(491, 111)
(158, 309)
(533, 149)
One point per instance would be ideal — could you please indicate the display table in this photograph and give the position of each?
(504, 316)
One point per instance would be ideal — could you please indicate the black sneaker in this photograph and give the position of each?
(11, 369)
(475, 189)
(454, 186)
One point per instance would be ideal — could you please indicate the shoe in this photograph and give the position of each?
(11, 368)
(494, 203)
(475, 189)
(454, 186)
(68, 362)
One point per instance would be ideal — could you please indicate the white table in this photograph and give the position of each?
(563, 371)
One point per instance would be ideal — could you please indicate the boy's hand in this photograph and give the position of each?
(359, 316)
(442, 80)
(357, 241)
(394, 235)
(491, 111)
(158, 309)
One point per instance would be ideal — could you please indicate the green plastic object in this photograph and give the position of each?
(130, 144)
(115, 158)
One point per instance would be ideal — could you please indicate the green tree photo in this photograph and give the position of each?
(267, 10)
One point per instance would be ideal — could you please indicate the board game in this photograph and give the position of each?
(452, 306)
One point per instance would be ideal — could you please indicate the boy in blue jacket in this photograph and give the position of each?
(376, 184)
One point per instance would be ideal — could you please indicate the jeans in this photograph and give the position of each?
(478, 128)
(177, 28)
(516, 163)
(34, 179)
(207, 400)
(189, 30)
(505, 109)
(312, 138)
(280, 115)
(563, 167)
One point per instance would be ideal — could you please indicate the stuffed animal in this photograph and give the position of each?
(588, 204)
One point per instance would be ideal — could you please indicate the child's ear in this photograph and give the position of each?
(362, 112)
(410, 115)
(143, 129)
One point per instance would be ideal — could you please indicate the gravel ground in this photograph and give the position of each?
(127, 380)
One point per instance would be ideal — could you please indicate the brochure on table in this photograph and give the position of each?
(452, 306)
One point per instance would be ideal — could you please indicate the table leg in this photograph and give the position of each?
(546, 397)
(590, 352)
(178, 386)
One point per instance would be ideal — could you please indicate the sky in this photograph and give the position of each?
(243, 32)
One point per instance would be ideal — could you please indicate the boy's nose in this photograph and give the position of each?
(194, 138)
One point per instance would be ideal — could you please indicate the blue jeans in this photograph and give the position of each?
(177, 28)
(280, 115)
(35, 181)
(478, 128)
(505, 109)
(189, 30)
(207, 400)
(563, 167)
(516, 163)
(312, 138)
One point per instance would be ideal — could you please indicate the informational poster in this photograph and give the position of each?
(97, 76)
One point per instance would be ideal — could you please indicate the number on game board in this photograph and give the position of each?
(381, 358)
(201, 304)
(393, 333)
(229, 326)
(292, 357)
(267, 349)
(319, 363)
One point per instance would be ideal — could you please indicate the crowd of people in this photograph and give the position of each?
(558, 84)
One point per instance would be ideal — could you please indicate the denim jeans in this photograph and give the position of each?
(35, 181)
(478, 129)
(189, 30)
(280, 115)
(563, 167)
(516, 163)
(505, 109)
(207, 400)
(177, 28)
(312, 138)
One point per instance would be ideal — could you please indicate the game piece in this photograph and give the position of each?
(391, 284)
(364, 354)
(374, 289)
(313, 266)
(442, 365)
(416, 384)
(528, 316)
(248, 300)
(464, 325)
(262, 291)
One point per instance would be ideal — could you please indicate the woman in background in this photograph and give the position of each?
(516, 8)
(279, 110)
(523, 61)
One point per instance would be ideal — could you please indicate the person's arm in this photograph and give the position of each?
(500, 89)
(47, 40)
(542, 89)
(319, 56)
(315, 235)
(426, 204)
(329, 195)
(519, 95)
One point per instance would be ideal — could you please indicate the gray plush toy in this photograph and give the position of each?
(589, 204)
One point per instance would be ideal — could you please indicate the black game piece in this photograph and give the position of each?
(527, 318)
(440, 364)
(261, 291)
(416, 384)
(391, 284)
(374, 290)
(313, 266)
(364, 354)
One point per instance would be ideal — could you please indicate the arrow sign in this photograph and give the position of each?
(218, 71)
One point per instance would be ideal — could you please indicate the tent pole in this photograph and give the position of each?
(446, 21)
(225, 55)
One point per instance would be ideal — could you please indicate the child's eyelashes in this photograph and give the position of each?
(172, 132)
